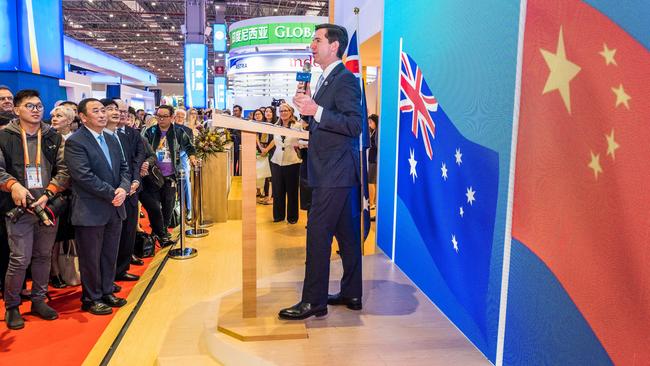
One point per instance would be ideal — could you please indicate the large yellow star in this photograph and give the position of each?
(621, 96)
(612, 145)
(594, 164)
(608, 55)
(562, 72)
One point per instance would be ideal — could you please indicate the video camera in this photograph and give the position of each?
(55, 205)
(277, 102)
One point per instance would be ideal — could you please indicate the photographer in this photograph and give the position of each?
(32, 171)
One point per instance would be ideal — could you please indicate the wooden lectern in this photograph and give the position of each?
(247, 323)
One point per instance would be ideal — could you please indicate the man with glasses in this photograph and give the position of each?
(167, 142)
(100, 182)
(32, 170)
(6, 106)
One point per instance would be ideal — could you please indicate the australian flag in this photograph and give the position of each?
(449, 186)
(353, 64)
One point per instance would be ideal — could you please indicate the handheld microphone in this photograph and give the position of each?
(304, 77)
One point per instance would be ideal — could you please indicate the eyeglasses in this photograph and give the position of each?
(124, 112)
(34, 107)
(161, 116)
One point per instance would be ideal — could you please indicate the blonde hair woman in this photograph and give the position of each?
(61, 118)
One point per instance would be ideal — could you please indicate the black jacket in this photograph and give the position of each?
(177, 140)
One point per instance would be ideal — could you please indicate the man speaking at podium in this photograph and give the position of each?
(334, 116)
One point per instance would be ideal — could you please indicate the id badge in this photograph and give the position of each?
(33, 176)
(164, 156)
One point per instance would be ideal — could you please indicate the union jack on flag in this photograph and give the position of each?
(419, 100)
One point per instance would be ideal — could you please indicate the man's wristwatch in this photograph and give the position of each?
(49, 194)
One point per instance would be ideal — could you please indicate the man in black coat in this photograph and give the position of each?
(335, 121)
(100, 182)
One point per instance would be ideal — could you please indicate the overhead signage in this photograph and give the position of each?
(272, 33)
(220, 90)
(196, 76)
(219, 37)
(269, 63)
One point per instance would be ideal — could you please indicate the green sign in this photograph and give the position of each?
(274, 33)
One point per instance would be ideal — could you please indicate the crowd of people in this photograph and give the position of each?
(77, 179)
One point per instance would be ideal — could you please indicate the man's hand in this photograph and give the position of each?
(305, 105)
(19, 194)
(193, 160)
(134, 187)
(144, 169)
(120, 196)
(42, 201)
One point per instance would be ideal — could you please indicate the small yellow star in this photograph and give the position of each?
(621, 96)
(562, 71)
(612, 145)
(594, 164)
(608, 55)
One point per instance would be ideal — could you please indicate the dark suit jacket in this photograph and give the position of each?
(93, 181)
(133, 145)
(333, 159)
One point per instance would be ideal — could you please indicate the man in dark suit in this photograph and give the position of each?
(100, 182)
(334, 126)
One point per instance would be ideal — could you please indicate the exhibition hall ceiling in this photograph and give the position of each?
(148, 33)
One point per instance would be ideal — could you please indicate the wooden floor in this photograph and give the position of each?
(176, 325)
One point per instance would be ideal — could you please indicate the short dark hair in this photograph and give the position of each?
(106, 102)
(139, 110)
(335, 33)
(374, 118)
(4, 87)
(132, 111)
(24, 94)
(237, 106)
(83, 105)
(69, 102)
(167, 107)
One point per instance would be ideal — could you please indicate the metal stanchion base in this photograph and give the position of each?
(206, 223)
(184, 253)
(196, 233)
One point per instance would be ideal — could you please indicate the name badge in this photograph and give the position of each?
(33, 175)
(164, 156)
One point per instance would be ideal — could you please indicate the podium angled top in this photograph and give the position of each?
(226, 121)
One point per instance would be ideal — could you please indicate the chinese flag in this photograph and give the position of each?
(582, 181)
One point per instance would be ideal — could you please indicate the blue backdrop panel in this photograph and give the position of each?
(196, 76)
(467, 53)
(41, 37)
(8, 36)
(47, 86)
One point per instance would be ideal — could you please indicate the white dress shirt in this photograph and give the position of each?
(285, 154)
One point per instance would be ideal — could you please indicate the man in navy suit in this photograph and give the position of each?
(334, 116)
(100, 182)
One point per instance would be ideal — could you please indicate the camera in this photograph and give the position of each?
(276, 102)
(55, 205)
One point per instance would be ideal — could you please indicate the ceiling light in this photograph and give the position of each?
(161, 52)
(275, 10)
(153, 4)
(123, 24)
(155, 48)
(71, 22)
(165, 17)
(173, 27)
(124, 51)
(110, 15)
(146, 41)
(167, 57)
(217, 6)
(221, 55)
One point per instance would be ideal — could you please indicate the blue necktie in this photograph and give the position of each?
(104, 146)
(319, 83)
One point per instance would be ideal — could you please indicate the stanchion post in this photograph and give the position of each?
(197, 231)
(182, 252)
(202, 223)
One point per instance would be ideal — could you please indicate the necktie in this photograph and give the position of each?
(104, 146)
(318, 84)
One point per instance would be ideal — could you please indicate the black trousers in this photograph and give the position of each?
(4, 252)
(159, 204)
(97, 248)
(127, 237)
(334, 213)
(285, 180)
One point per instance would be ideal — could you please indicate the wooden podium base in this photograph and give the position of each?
(266, 326)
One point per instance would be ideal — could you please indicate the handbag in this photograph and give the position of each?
(263, 167)
(144, 245)
(155, 177)
(69, 263)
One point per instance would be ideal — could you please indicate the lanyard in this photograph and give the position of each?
(26, 150)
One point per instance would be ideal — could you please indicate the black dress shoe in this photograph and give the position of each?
(13, 319)
(303, 310)
(57, 282)
(292, 222)
(136, 261)
(96, 308)
(116, 288)
(278, 220)
(113, 301)
(353, 303)
(127, 277)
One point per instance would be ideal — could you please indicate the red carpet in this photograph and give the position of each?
(64, 341)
